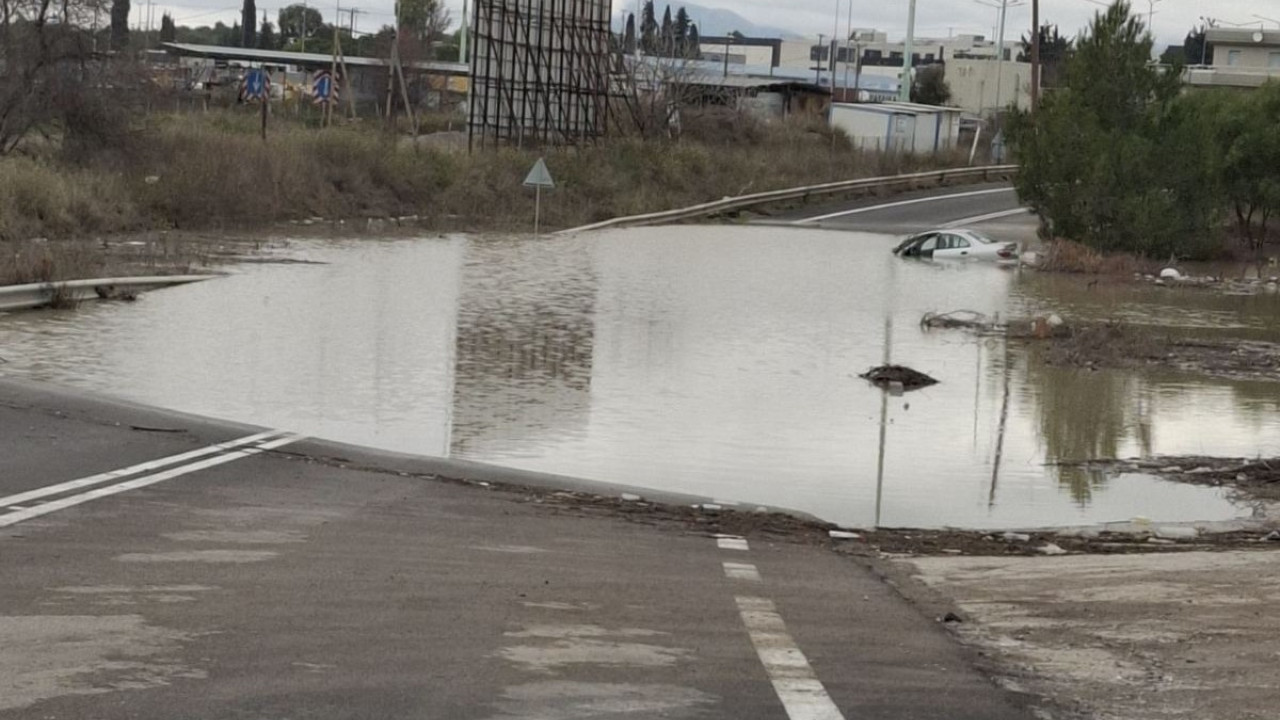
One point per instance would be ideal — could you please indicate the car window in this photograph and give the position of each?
(981, 238)
(958, 243)
(930, 244)
(944, 242)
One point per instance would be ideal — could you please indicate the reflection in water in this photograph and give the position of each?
(714, 361)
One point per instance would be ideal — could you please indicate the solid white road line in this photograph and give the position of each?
(741, 571)
(799, 689)
(16, 517)
(732, 543)
(70, 485)
(900, 203)
(989, 216)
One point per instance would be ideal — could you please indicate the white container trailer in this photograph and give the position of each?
(899, 127)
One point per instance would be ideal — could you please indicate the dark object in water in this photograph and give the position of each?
(887, 375)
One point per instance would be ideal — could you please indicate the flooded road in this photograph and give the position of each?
(711, 360)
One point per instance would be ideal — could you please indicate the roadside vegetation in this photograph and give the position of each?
(1122, 158)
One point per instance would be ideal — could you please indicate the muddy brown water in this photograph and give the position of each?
(720, 361)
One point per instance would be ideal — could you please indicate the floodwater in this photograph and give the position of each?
(719, 361)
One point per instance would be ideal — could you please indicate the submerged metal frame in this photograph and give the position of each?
(540, 72)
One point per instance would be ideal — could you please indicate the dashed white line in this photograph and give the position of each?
(900, 203)
(18, 516)
(799, 689)
(18, 499)
(731, 542)
(741, 571)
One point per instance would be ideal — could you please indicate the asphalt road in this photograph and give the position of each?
(242, 580)
(991, 207)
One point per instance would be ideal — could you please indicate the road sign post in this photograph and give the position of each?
(539, 177)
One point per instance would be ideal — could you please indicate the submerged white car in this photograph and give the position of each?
(956, 244)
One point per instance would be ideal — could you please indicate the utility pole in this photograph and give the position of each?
(463, 32)
(817, 62)
(1004, 9)
(908, 50)
(1035, 55)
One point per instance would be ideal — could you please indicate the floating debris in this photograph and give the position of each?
(898, 377)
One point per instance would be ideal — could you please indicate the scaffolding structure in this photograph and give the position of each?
(540, 72)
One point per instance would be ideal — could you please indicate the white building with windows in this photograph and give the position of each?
(1242, 58)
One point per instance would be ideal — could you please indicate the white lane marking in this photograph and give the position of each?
(741, 571)
(14, 518)
(799, 689)
(989, 216)
(18, 499)
(900, 203)
(732, 543)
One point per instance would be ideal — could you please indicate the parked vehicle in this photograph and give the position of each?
(956, 244)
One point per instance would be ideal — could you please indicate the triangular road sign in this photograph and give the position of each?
(539, 176)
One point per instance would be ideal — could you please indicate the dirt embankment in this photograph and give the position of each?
(1114, 345)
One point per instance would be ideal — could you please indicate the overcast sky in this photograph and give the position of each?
(934, 18)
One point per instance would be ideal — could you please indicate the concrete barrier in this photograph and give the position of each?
(34, 295)
(744, 201)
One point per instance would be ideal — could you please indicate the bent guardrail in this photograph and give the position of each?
(34, 295)
(762, 198)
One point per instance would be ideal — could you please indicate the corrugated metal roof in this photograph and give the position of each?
(1243, 36)
(283, 57)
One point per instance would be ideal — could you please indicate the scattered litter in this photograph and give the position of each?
(1170, 274)
(844, 535)
(886, 376)
(708, 507)
(1273, 536)
(1203, 470)
(1051, 549)
(952, 551)
(1160, 541)
(483, 484)
(967, 319)
(1016, 537)
(1170, 532)
(631, 498)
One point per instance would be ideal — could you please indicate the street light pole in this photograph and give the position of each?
(904, 83)
(1035, 55)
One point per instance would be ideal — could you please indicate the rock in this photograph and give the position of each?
(1055, 321)
(1171, 274)
(631, 498)
(844, 535)
(1160, 282)
(1051, 549)
(1174, 532)
(1016, 537)
(1200, 470)
(151, 179)
(952, 618)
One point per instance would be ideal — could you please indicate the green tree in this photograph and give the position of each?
(266, 35)
(930, 86)
(629, 36)
(648, 29)
(1055, 51)
(425, 20)
(119, 25)
(248, 24)
(298, 22)
(667, 36)
(695, 43)
(1196, 49)
(168, 31)
(1249, 146)
(682, 33)
(1096, 157)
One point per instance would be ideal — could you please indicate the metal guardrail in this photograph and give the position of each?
(744, 201)
(34, 295)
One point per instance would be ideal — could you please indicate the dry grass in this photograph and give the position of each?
(1068, 256)
(213, 171)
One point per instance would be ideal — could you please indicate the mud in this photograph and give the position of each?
(1114, 345)
(1255, 478)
